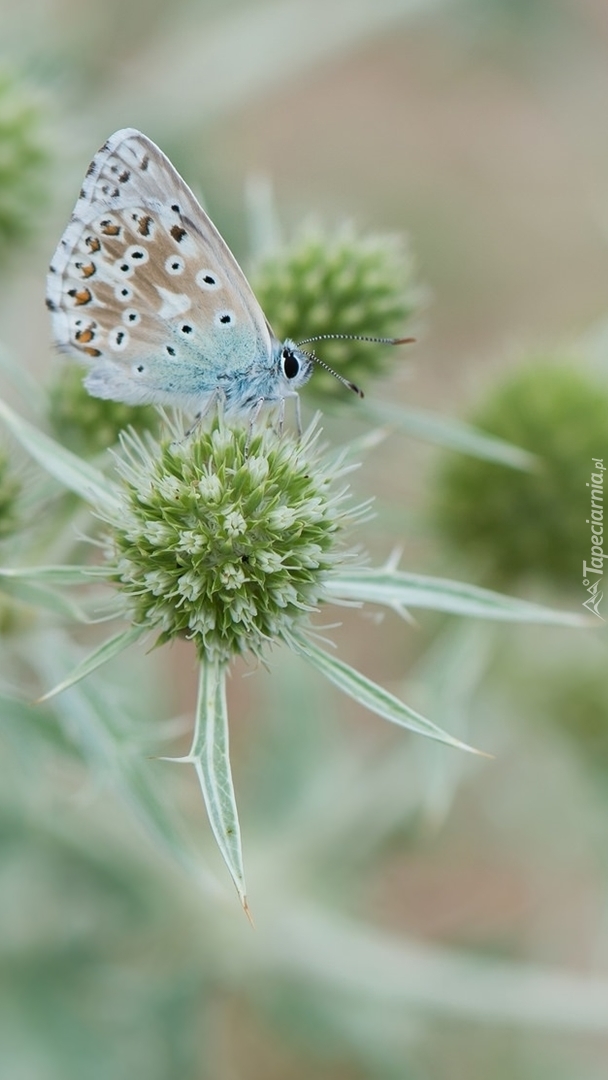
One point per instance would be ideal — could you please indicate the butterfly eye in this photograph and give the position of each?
(291, 364)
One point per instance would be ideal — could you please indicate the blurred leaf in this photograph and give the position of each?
(41, 597)
(51, 575)
(95, 717)
(107, 651)
(397, 589)
(450, 433)
(372, 696)
(75, 474)
(26, 723)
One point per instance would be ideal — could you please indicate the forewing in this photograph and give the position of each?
(143, 287)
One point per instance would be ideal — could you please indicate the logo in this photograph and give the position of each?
(593, 571)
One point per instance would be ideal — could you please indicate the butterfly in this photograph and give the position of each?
(143, 289)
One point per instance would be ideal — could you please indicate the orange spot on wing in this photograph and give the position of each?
(92, 352)
(93, 243)
(81, 296)
(84, 336)
(109, 229)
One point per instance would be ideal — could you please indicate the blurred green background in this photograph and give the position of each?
(420, 915)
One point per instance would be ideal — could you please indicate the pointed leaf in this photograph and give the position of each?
(92, 719)
(110, 648)
(52, 575)
(39, 595)
(395, 588)
(453, 434)
(71, 471)
(210, 756)
(31, 585)
(373, 697)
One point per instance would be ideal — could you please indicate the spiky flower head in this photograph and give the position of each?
(340, 283)
(24, 156)
(226, 536)
(512, 523)
(88, 425)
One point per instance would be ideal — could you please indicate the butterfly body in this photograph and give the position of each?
(143, 288)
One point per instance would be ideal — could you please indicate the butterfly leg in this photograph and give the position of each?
(217, 398)
(255, 412)
(281, 422)
(195, 423)
(298, 416)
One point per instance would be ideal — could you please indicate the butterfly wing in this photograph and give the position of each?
(144, 289)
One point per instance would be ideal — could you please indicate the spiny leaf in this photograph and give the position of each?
(110, 648)
(398, 589)
(373, 697)
(75, 474)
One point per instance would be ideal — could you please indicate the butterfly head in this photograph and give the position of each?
(294, 366)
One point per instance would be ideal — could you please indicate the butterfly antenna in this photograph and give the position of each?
(359, 337)
(350, 337)
(345, 382)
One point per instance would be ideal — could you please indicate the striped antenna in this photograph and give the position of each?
(358, 337)
(349, 337)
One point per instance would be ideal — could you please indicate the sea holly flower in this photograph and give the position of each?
(225, 537)
(341, 282)
(529, 524)
(235, 537)
(24, 161)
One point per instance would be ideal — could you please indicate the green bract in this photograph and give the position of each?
(340, 284)
(226, 536)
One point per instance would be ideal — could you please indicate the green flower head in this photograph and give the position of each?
(226, 536)
(340, 283)
(24, 159)
(513, 523)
